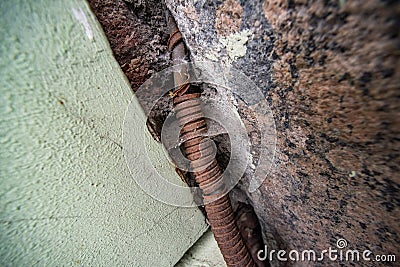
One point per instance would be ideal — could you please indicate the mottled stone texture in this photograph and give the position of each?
(330, 72)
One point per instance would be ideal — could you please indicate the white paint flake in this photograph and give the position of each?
(81, 17)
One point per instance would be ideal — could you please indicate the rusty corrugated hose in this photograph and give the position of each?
(199, 150)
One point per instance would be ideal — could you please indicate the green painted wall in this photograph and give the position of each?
(67, 197)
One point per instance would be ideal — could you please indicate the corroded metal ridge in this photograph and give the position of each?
(199, 150)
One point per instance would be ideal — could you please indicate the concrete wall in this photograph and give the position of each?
(67, 197)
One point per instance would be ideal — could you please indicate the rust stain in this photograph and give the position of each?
(207, 172)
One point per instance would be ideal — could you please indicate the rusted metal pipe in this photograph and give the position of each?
(199, 150)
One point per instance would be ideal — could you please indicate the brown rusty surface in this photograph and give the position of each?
(205, 168)
(137, 34)
(208, 176)
(250, 229)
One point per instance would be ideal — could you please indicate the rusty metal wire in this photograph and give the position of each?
(199, 150)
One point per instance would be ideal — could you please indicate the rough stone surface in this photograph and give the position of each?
(228, 17)
(330, 72)
(67, 197)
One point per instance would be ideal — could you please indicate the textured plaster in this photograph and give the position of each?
(204, 253)
(67, 197)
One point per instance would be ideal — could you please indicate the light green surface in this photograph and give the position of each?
(204, 253)
(67, 197)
